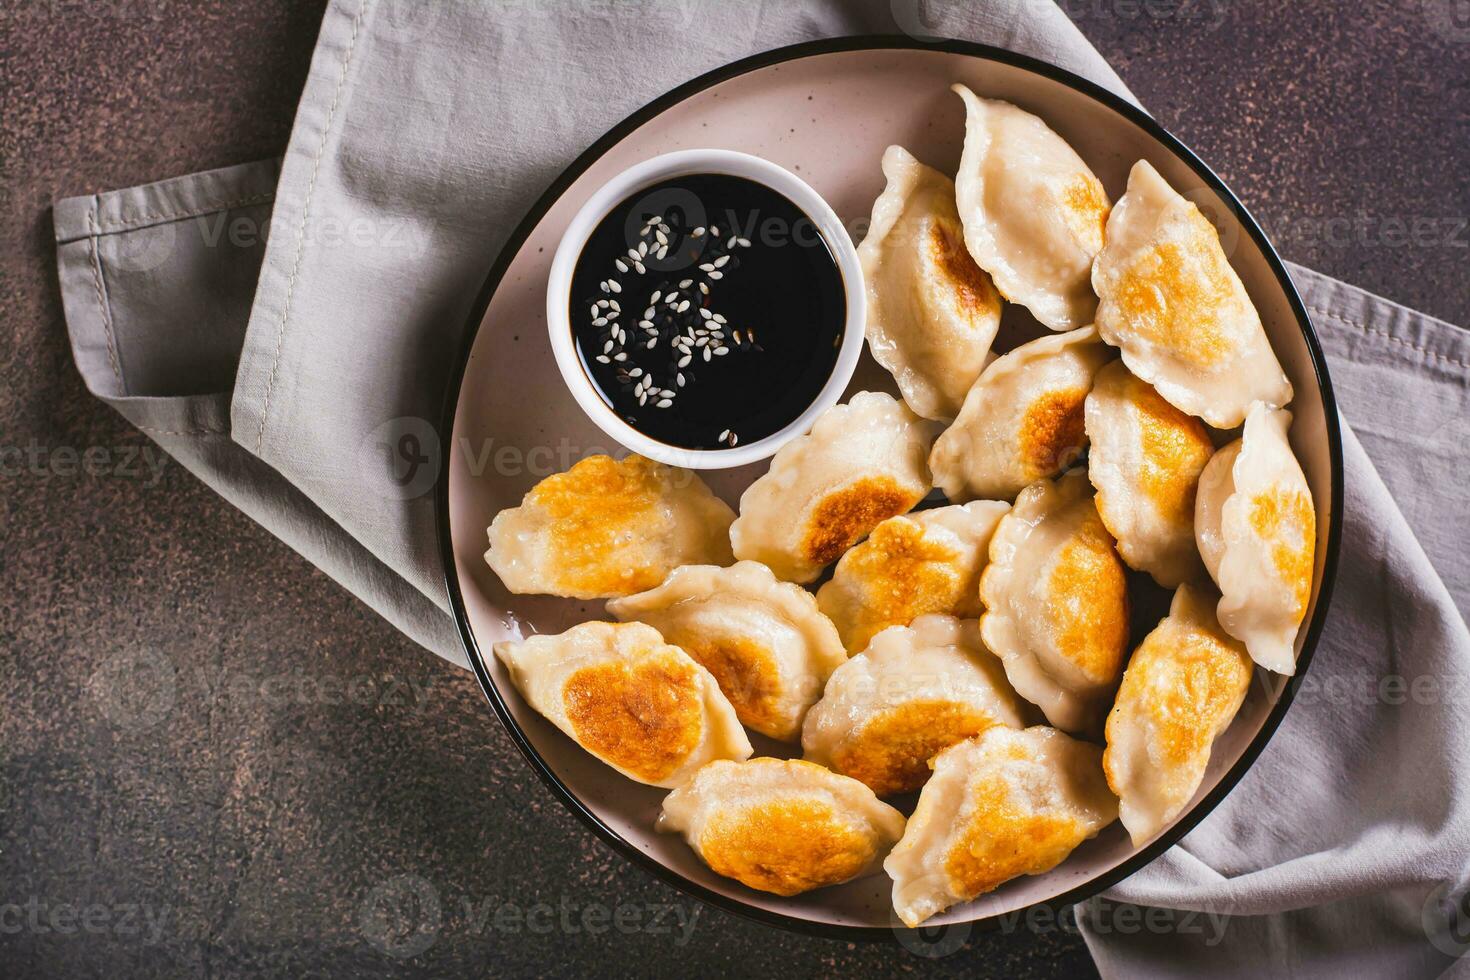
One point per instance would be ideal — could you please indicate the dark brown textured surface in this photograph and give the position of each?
(180, 734)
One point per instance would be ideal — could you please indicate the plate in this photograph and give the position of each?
(511, 421)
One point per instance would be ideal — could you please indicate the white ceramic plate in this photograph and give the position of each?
(825, 110)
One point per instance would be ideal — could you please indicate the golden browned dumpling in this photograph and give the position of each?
(765, 641)
(1033, 211)
(634, 701)
(1256, 527)
(1183, 685)
(926, 562)
(1023, 419)
(862, 463)
(915, 691)
(783, 827)
(1145, 462)
(1003, 804)
(1178, 311)
(1056, 603)
(606, 528)
(932, 312)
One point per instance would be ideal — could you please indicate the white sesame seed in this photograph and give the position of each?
(732, 241)
(648, 312)
(701, 341)
(724, 435)
(679, 379)
(662, 238)
(643, 399)
(720, 262)
(685, 283)
(663, 250)
(603, 359)
(639, 267)
(715, 232)
(615, 287)
(704, 288)
(704, 313)
(653, 343)
(665, 402)
(706, 353)
(646, 324)
(706, 267)
(642, 249)
(698, 232)
(721, 351)
(600, 322)
(719, 318)
(682, 306)
(714, 275)
(683, 363)
(602, 285)
(635, 372)
(620, 357)
(595, 308)
(657, 295)
(607, 346)
(671, 299)
(633, 254)
(622, 266)
(744, 242)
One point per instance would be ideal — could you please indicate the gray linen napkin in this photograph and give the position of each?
(285, 330)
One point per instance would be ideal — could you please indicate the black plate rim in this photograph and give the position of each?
(874, 42)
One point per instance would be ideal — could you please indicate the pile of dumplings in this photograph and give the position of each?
(975, 653)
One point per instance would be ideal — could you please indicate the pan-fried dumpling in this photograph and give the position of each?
(1056, 602)
(781, 826)
(1005, 804)
(1032, 210)
(765, 641)
(1257, 531)
(914, 692)
(608, 528)
(861, 464)
(924, 562)
(1145, 462)
(932, 312)
(1183, 685)
(623, 694)
(1022, 421)
(1181, 315)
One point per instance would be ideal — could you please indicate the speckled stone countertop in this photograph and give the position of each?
(214, 761)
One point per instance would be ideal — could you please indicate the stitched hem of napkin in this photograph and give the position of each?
(81, 226)
(302, 213)
(1348, 317)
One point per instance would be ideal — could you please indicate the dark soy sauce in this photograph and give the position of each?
(730, 267)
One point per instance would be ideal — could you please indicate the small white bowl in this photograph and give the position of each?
(646, 174)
